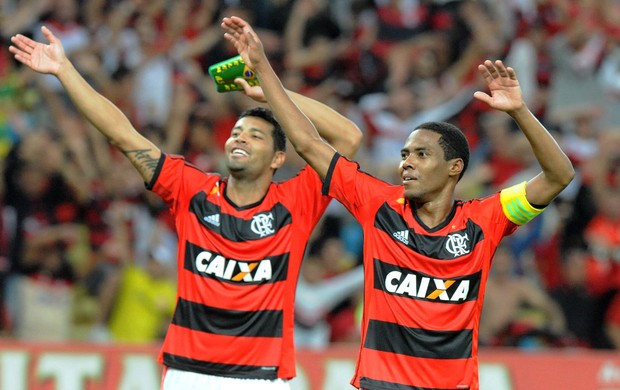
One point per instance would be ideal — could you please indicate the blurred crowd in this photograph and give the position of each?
(86, 253)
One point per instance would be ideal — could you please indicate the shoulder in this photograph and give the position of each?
(480, 205)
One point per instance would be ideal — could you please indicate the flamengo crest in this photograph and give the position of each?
(262, 224)
(457, 244)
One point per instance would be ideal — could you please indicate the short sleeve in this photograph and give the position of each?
(175, 178)
(303, 196)
(352, 187)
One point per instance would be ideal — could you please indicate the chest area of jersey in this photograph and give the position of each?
(443, 267)
(262, 221)
(459, 238)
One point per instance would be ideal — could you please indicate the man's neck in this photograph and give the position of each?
(246, 192)
(432, 214)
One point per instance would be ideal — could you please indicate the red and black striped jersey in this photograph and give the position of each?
(237, 271)
(424, 286)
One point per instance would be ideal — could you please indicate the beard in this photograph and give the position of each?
(235, 166)
(236, 169)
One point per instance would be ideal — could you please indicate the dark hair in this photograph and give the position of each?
(452, 141)
(279, 138)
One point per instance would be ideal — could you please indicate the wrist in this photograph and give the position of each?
(64, 67)
(262, 67)
(521, 111)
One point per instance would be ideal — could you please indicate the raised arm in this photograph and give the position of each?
(339, 131)
(299, 129)
(105, 116)
(557, 170)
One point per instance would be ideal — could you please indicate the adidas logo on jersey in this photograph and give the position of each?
(212, 219)
(402, 236)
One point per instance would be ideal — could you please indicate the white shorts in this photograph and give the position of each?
(174, 379)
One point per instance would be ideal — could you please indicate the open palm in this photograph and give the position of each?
(245, 40)
(505, 91)
(38, 56)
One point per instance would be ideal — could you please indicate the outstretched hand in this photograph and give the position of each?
(245, 40)
(503, 85)
(39, 57)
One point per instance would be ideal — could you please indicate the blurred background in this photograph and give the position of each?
(88, 255)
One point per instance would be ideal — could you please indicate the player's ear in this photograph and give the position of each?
(278, 159)
(456, 167)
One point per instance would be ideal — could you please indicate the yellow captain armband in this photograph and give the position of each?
(515, 205)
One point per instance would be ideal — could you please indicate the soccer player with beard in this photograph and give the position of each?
(241, 237)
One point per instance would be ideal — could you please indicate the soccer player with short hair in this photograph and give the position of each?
(241, 237)
(426, 255)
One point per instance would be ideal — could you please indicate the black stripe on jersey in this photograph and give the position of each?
(330, 173)
(373, 384)
(220, 369)
(457, 243)
(417, 285)
(416, 342)
(203, 318)
(263, 224)
(213, 265)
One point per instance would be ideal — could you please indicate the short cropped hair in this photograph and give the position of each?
(279, 137)
(452, 141)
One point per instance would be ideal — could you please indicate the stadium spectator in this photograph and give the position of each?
(578, 305)
(576, 53)
(329, 281)
(516, 311)
(315, 44)
(138, 297)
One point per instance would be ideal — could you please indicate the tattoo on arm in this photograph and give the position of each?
(143, 161)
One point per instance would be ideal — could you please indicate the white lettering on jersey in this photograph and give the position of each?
(233, 270)
(408, 285)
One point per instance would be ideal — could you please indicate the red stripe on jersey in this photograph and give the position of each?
(227, 295)
(443, 317)
(216, 348)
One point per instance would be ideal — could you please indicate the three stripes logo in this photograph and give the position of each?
(212, 219)
(402, 236)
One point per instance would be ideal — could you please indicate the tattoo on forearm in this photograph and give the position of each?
(142, 159)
